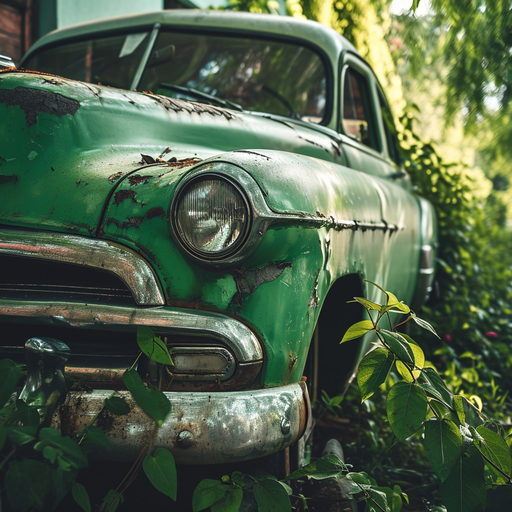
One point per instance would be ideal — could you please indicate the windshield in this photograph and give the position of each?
(260, 75)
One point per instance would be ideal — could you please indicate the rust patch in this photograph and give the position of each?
(190, 107)
(135, 179)
(35, 101)
(8, 178)
(122, 195)
(135, 222)
(155, 212)
(247, 281)
(115, 177)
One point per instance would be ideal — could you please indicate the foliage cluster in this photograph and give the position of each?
(468, 452)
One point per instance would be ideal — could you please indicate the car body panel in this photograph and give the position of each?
(93, 177)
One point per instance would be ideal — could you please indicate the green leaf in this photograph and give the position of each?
(377, 497)
(207, 493)
(419, 361)
(231, 501)
(21, 435)
(325, 467)
(25, 415)
(425, 325)
(153, 402)
(368, 304)
(161, 472)
(492, 446)
(395, 305)
(97, 436)
(113, 499)
(406, 407)
(27, 483)
(10, 374)
(116, 405)
(271, 497)
(357, 330)
(499, 498)
(434, 386)
(51, 453)
(81, 497)
(71, 458)
(443, 444)
(458, 405)
(399, 345)
(464, 489)
(3, 437)
(152, 346)
(373, 371)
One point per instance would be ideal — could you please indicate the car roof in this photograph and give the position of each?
(310, 32)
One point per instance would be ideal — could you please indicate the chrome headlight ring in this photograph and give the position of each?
(218, 214)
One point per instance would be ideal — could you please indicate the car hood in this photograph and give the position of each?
(68, 144)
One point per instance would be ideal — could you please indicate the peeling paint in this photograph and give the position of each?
(189, 107)
(247, 281)
(135, 179)
(122, 195)
(35, 101)
(135, 222)
(8, 178)
(115, 177)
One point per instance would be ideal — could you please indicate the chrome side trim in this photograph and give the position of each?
(126, 264)
(203, 428)
(165, 320)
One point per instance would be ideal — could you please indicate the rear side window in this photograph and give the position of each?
(389, 130)
(358, 116)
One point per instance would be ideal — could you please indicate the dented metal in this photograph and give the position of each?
(203, 428)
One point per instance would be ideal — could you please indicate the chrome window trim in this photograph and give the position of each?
(126, 264)
(165, 320)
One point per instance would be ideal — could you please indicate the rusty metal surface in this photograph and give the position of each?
(203, 428)
(131, 268)
(165, 320)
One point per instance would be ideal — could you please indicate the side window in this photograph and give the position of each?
(389, 130)
(358, 118)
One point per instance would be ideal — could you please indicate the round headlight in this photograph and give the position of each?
(211, 217)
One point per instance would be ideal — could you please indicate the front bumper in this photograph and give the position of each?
(203, 428)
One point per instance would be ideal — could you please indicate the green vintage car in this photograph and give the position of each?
(230, 180)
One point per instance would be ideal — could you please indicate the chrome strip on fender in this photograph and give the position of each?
(131, 268)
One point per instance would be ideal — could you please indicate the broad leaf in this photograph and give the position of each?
(153, 402)
(464, 489)
(425, 325)
(406, 407)
(419, 361)
(378, 497)
(357, 330)
(399, 345)
(71, 457)
(367, 304)
(231, 501)
(27, 483)
(81, 497)
(492, 446)
(458, 405)
(21, 435)
(153, 346)
(97, 436)
(116, 405)
(207, 493)
(161, 472)
(373, 370)
(113, 499)
(434, 385)
(10, 374)
(271, 497)
(395, 305)
(325, 467)
(443, 444)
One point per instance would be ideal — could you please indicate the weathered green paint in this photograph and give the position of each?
(81, 172)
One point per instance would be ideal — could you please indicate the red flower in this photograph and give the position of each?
(448, 338)
(491, 334)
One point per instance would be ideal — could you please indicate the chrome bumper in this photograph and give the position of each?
(203, 428)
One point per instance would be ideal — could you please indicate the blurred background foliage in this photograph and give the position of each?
(447, 72)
